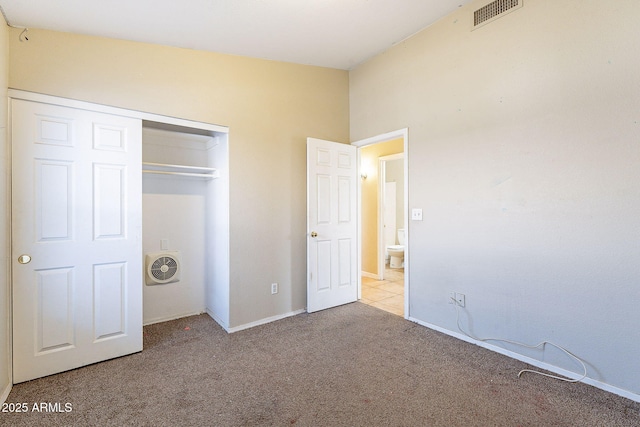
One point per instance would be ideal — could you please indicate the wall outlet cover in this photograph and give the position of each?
(416, 214)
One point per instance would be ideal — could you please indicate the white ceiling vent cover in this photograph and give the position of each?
(162, 267)
(494, 10)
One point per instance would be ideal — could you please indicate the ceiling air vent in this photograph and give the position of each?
(493, 11)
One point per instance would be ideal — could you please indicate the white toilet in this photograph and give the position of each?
(396, 252)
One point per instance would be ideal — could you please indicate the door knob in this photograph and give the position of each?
(314, 234)
(24, 259)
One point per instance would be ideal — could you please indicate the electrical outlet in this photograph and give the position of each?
(274, 288)
(457, 298)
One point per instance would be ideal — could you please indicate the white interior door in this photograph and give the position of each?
(76, 247)
(389, 208)
(332, 227)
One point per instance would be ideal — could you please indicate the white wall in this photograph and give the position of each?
(524, 155)
(5, 295)
(218, 245)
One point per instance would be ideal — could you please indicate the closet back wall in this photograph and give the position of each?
(270, 108)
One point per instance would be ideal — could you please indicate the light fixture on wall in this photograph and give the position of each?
(363, 175)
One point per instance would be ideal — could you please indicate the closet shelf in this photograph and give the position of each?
(180, 170)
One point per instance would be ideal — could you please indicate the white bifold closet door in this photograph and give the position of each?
(76, 244)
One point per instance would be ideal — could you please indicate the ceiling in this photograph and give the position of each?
(329, 33)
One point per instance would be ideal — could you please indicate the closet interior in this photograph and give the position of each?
(185, 205)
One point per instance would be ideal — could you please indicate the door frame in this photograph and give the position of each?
(221, 248)
(404, 134)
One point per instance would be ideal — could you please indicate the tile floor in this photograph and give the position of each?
(388, 294)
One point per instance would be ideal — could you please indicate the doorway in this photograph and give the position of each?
(381, 285)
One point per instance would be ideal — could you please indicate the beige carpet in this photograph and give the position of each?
(353, 365)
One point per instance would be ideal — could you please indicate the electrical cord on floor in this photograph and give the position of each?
(541, 344)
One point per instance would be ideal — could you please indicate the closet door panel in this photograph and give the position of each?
(110, 201)
(76, 214)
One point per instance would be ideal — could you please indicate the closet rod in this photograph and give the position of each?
(165, 165)
(198, 175)
(181, 170)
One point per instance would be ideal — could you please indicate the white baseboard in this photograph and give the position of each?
(5, 393)
(166, 319)
(219, 321)
(537, 363)
(264, 321)
(369, 275)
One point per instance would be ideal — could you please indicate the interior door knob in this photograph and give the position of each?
(24, 259)
(314, 234)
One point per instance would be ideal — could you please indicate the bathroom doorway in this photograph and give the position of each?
(383, 170)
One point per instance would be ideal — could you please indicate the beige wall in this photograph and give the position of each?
(523, 154)
(369, 156)
(270, 108)
(5, 345)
